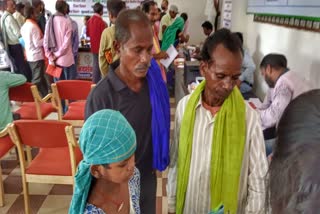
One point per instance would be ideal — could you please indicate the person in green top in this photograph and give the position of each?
(172, 33)
(7, 80)
(218, 162)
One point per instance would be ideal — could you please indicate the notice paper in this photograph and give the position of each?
(172, 53)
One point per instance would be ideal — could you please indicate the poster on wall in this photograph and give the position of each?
(227, 14)
(84, 7)
(85, 65)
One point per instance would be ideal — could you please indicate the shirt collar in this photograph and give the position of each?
(116, 82)
(199, 102)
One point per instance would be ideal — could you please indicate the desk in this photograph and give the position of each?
(184, 76)
(180, 88)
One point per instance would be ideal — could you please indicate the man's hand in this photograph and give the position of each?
(161, 55)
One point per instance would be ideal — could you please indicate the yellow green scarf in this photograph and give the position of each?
(227, 151)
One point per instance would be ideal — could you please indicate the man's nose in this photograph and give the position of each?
(145, 57)
(228, 83)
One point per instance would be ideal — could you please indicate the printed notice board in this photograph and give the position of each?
(84, 7)
(302, 8)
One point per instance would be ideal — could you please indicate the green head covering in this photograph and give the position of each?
(169, 35)
(106, 137)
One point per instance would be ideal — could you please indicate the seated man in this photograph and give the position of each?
(7, 80)
(247, 71)
(284, 86)
(217, 156)
(207, 28)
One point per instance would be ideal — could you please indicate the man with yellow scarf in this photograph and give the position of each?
(218, 162)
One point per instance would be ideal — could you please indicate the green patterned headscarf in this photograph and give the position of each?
(106, 137)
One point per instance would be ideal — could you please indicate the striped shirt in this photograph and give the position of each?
(251, 193)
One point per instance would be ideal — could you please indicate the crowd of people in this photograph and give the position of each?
(216, 159)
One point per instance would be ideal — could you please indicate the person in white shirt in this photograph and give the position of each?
(284, 86)
(18, 15)
(10, 35)
(33, 38)
(247, 71)
(84, 28)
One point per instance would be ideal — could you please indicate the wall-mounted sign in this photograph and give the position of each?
(227, 14)
(84, 7)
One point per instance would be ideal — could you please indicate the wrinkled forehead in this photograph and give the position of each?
(10, 3)
(140, 30)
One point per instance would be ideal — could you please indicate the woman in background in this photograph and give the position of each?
(294, 170)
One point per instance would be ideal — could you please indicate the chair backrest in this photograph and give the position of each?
(5, 143)
(21, 93)
(73, 89)
(41, 133)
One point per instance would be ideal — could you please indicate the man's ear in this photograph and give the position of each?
(95, 172)
(116, 46)
(203, 68)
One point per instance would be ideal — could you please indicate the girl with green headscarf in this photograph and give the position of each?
(107, 180)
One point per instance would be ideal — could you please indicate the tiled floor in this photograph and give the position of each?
(55, 199)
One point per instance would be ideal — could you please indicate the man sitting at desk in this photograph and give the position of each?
(247, 71)
(207, 28)
(284, 86)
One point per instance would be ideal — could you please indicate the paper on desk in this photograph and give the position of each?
(172, 53)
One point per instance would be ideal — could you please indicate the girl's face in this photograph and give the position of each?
(119, 172)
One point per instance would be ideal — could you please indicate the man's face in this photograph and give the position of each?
(11, 6)
(172, 14)
(164, 6)
(266, 73)
(153, 14)
(135, 54)
(206, 31)
(221, 72)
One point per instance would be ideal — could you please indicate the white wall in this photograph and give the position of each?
(300, 47)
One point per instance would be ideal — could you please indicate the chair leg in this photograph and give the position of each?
(26, 196)
(1, 189)
(29, 155)
(17, 155)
